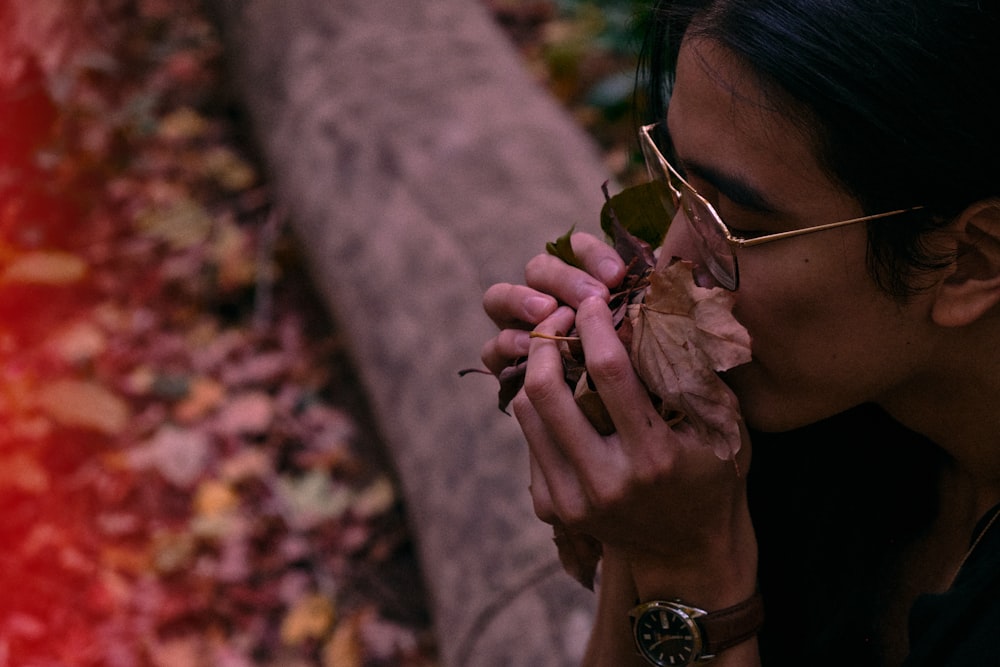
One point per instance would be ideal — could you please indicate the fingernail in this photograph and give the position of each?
(608, 271)
(538, 307)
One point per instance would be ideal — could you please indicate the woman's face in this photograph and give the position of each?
(825, 338)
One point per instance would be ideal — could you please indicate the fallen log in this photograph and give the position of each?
(418, 163)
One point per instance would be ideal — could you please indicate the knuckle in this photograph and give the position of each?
(606, 495)
(541, 389)
(611, 368)
(572, 512)
(498, 350)
(543, 509)
(491, 357)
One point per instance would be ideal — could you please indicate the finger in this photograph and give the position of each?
(548, 466)
(599, 259)
(566, 283)
(504, 349)
(550, 409)
(556, 493)
(541, 499)
(544, 384)
(517, 306)
(609, 367)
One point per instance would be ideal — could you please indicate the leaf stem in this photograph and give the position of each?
(569, 339)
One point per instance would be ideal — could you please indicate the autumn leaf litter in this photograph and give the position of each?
(180, 486)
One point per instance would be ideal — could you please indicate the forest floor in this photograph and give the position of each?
(188, 473)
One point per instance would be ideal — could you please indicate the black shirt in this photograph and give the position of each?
(961, 627)
(834, 505)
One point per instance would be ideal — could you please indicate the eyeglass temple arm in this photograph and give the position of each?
(757, 240)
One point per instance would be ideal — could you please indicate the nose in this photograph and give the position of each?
(682, 242)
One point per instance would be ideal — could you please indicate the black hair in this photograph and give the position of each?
(900, 96)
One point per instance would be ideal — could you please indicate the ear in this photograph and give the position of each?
(973, 287)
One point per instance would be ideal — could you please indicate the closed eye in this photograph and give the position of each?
(735, 189)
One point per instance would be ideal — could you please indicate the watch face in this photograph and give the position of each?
(667, 636)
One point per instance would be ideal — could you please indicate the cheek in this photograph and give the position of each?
(809, 318)
(799, 287)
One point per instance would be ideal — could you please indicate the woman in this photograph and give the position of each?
(873, 397)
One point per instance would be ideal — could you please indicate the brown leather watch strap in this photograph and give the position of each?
(731, 626)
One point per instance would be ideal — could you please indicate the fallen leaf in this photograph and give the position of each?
(180, 455)
(383, 640)
(236, 264)
(182, 124)
(21, 472)
(128, 560)
(311, 499)
(246, 464)
(85, 405)
(78, 342)
(172, 551)
(247, 414)
(310, 618)
(345, 648)
(228, 169)
(44, 267)
(181, 223)
(376, 499)
(214, 498)
(203, 395)
(190, 651)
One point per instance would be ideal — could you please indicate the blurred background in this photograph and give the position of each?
(189, 474)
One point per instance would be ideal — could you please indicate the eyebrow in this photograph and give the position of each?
(734, 188)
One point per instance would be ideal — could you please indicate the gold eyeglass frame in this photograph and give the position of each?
(652, 152)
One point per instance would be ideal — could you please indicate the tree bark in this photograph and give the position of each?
(419, 163)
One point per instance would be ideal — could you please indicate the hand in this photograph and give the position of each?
(517, 309)
(651, 492)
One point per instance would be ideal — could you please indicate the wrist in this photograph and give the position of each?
(716, 577)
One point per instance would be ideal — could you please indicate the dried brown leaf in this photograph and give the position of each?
(579, 553)
(592, 406)
(85, 405)
(45, 267)
(310, 618)
(683, 336)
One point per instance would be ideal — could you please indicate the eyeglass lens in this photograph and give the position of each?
(716, 251)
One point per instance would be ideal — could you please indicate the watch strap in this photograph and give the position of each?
(731, 626)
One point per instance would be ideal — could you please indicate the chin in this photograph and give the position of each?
(770, 409)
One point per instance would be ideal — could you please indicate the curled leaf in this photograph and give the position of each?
(640, 210)
(683, 336)
(562, 248)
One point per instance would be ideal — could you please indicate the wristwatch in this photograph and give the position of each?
(670, 633)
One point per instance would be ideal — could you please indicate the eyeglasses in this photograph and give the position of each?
(717, 241)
